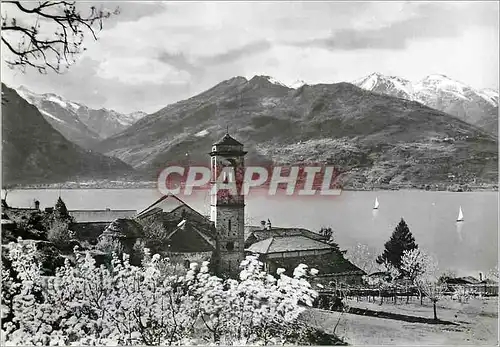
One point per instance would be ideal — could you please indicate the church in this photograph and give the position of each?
(175, 230)
(225, 240)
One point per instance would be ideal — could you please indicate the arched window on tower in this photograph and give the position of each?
(229, 225)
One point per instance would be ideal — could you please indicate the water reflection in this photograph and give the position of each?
(460, 226)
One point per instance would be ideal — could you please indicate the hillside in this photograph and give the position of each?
(77, 122)
(477, 107)
(34, 152)
(374, 138)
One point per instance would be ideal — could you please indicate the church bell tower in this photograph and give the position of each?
(227, 203)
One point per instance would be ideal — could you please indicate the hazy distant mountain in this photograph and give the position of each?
(478, 107)
(34, 152)
(375, 138)
(78, 123)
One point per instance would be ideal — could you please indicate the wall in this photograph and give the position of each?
(191, 257)
(86, 216)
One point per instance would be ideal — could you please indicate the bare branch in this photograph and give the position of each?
(33, 49)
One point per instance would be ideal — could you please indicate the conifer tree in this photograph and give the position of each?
(61, 208)
(401, 240)
(61, 212)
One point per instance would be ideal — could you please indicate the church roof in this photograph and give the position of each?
(286, 244)
(228, 140)
(167, 203)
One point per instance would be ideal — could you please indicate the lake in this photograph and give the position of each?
(467, 247)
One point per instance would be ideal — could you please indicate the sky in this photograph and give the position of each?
(153, 54)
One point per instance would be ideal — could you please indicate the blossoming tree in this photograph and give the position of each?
(128, 305)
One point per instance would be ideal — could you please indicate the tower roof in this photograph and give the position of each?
(228, 140)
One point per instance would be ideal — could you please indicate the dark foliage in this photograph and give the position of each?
(329, 302)
(49, 257)
(327, 234)
(32, 226)
(61, 212)
(304, 335)
(60, 235)
(401, 240)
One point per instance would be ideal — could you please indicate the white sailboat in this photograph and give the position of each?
(375, 207)
(460, 217)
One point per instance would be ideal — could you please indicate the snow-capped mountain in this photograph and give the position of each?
(33, 151)
(478, 107)
(275, 81)
(390, 85)
(78, 123)
(297, 84)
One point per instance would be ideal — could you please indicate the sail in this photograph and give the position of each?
(376, 204)
(460, 215)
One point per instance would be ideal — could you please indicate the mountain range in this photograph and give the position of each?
(371, 137)
(35, 152)
(475, 106)
(376, 131)
(76, 122)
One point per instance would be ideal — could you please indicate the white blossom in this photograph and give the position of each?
(86, 304)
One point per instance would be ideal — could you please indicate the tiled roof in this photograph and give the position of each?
(90, 216)
(463, 280)
(327, 264)
(228, 140)
(286, 244)
(471, 279)
(167, 203)
(188, 236)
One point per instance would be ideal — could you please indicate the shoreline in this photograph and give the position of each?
(452, 188)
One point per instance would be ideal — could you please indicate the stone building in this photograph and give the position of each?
(288, 249)
(223, 237)
(227, 206)
(89, 224)
(189, 236)
(219, 238)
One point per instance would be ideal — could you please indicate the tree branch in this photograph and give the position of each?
(63, 44)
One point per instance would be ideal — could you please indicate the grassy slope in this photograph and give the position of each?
(477, 324)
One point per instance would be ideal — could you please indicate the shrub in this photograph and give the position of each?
(59, 234)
